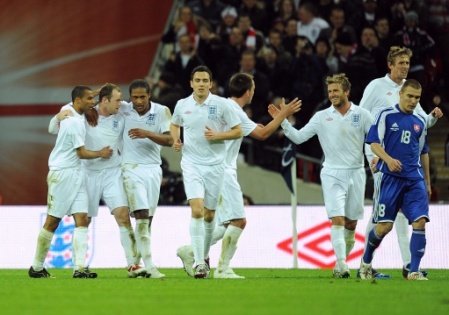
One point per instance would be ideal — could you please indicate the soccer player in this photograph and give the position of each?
(207, 121)
(147, 129)
(341, 130)
(230, 210)
(67, 193)
(380, 94)
(104, 177)
(398, 138)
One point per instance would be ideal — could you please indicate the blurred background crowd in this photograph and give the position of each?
(290, 46)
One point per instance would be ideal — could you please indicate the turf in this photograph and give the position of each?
(265, 291)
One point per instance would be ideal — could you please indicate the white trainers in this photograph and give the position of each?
(416, 275)
(154, 273)
(186, 256)
(201, 271)
(226, 274)
(341, 274)
(136, 271)
(366, 272)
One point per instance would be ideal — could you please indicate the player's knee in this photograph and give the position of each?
(350, 224)
(419, 224)
(383, 228)
(121, 216)
(240, 223)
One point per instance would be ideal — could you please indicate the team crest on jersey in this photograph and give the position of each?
(212, 112)
(355, 120)
(416, 127)
(115, 125)
(60, 253)
(151, 119)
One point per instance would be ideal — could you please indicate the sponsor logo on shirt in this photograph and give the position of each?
(329, 119)
(394, 127)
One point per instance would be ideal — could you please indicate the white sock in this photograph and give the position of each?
(349, 240)
(208, 232)
(43, 245)
(229, 246)
(197, 239)
(402, 232)
(128, 241)
(338, 243)
(143, 241)
(219, 231)
(79, 244)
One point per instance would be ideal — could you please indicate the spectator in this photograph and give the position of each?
(326, 58)
(309, 24)
(259, 104)
(382, 27)
(253, 38)
(286, 10)
(183, 62)
(228, 21)
(337, 25)
(411, 36)
(290, 36)
(210, 10)
(169, 92)
(184, 24)
(256, 14)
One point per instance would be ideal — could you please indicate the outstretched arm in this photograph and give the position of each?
(263, 132)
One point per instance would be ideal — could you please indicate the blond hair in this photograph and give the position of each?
(339, 78)
(396, 51)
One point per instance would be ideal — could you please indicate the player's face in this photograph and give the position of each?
(141, 100)
(409, 98)
(399, 68)
(113, 105)
(201, 84)
(336, 95)
(88, 100)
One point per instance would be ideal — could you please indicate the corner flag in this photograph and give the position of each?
(288, 156)
(288, 172)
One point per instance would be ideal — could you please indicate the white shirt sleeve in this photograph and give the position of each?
(303, 134)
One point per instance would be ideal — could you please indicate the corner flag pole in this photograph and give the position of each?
(294, 202)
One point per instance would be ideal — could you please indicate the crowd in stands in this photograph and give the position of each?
(290, 46)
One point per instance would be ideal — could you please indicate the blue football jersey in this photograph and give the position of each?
(404, 137)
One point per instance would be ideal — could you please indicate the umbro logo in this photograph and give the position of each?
(187, 112)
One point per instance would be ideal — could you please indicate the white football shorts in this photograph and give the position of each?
(142, 186)
(203, 181)
(344, 192)
(66, 192)
(230, 203)
(106, 184)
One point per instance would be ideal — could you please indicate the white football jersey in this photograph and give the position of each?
(341, 137)
(214, 113)
(144, 151)
(70, 137)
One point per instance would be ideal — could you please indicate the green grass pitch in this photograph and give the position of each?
(264, 291)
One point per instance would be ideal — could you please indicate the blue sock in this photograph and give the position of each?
(417, 248)
(374, 241)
